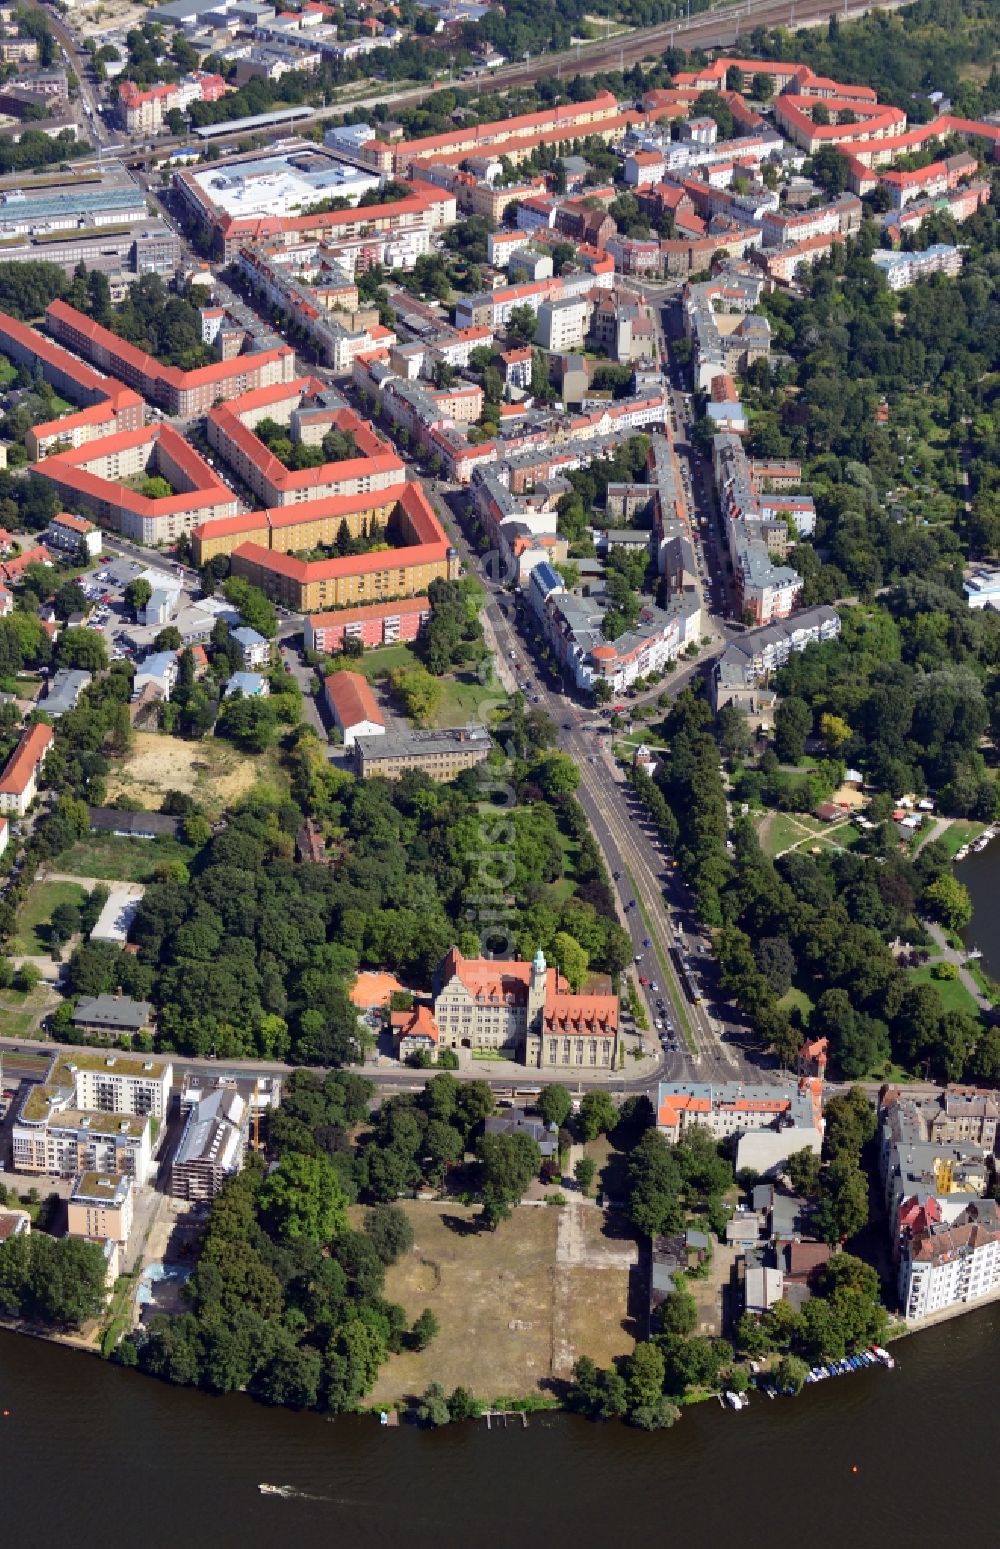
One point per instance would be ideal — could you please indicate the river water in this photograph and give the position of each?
(93, 1455)
(981, 875)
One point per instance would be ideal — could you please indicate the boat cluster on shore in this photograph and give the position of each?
(876, 1356)
(985, 838)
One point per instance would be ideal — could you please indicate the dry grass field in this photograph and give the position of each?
(516, 1306)
(214, 772)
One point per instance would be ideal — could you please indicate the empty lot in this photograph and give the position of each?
(516, 1306)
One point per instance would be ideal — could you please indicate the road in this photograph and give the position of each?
(639, 872)
(92, 124)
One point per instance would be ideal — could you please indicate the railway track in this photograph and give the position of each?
(712, 29)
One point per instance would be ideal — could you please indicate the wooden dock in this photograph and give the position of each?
(506, 1415)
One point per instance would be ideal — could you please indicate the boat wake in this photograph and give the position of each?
(289, 1492)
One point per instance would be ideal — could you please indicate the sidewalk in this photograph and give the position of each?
(958, 958)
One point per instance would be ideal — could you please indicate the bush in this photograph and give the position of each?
(944, 971)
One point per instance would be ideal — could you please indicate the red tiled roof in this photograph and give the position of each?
(25, 759)
(351, 699)
(372, 610)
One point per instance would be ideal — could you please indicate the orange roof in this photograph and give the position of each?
(351, 699)
(374, 989)
(672, 1107)
(25, 759)
(418, 1023)
(147, 365)
(371, 610)
(587, 1014)
(74, 523)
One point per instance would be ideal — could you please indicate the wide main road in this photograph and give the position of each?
(641, 874)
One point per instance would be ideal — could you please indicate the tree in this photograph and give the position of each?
(462, 1405)
(948, 900)
(792, 725)
(254, 608)
(584, 1172)
(305, 1199)
(390, 1231)
(509, 1162)
(655, 1183)
(425, 1328)
(522, 323)
(834, 731)
(554, 1104)
(434, 1407)
(83, 649)
(644, 1373)
(64, 923)
(762, 86)
(790, 1374)
(137, 594)
(803, 1170)
(678, 1314)
(597, 1114)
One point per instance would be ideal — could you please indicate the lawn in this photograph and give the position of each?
(779, 831)
(954, 995)
(960, 832)
(383, 660)
(795, 999)
(36, 912)
(20, 1014)
(212, 771)
(565, 885)
(464, 700)
(113, 859)
(516, 1306)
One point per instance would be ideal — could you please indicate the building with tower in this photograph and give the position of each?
(521, 1010)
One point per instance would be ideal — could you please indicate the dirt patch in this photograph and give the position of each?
(849, 796)
(511, 1315)
(213, 772)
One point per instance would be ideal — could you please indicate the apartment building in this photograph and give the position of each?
(92, 1113)
(101, 1207)
(90, 479)
(748, 661)
(145, 111)
(375, 624)
(184, 394)
(731, 1108)
(562, 324)
(902, 270)
(944, 1266)
(374, 469)
(19, 780)
(213, 1143)
(74, 535)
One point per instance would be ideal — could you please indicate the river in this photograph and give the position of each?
(94, 1455)
(981, 875)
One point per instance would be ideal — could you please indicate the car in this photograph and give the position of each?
(616, 875)
(567, 725)
(655, 987)
(637, 958)
(643, 981)
(647, 942)
(658, 1025)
